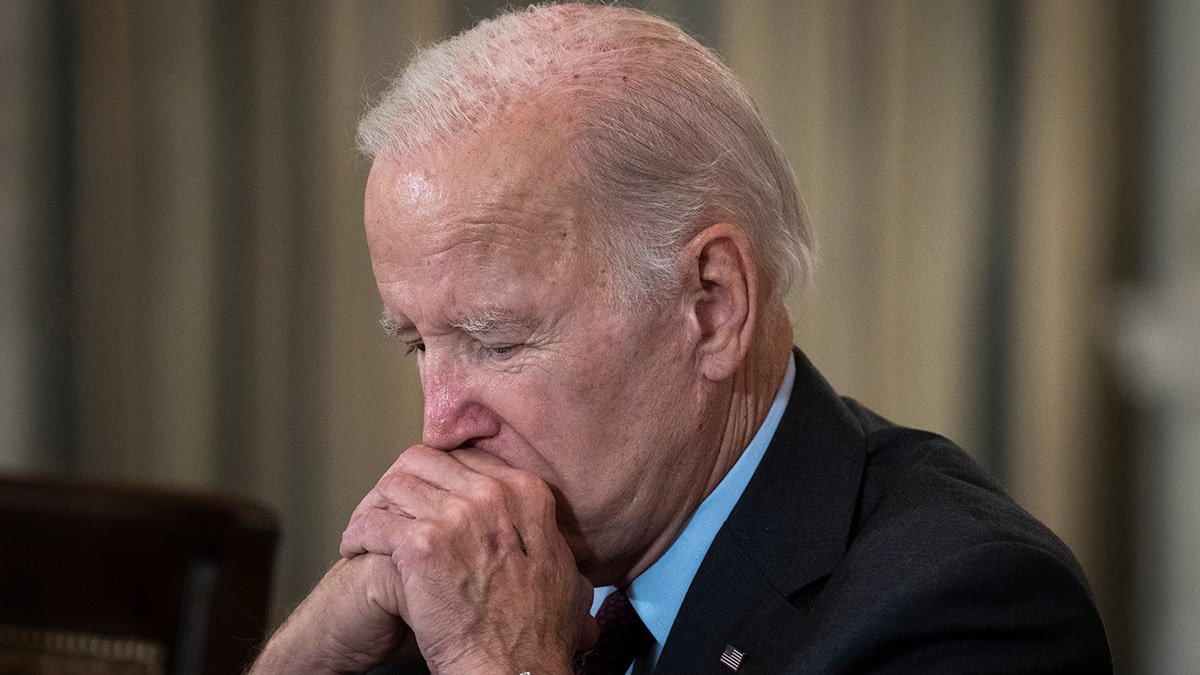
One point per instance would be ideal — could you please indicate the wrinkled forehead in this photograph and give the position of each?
(517, 172)
(504, 200)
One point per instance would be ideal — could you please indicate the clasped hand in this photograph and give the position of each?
(459, 548)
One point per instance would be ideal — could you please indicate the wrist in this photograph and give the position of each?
(289, 652)
(278, 657)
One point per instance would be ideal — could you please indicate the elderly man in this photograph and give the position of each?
(579, 224)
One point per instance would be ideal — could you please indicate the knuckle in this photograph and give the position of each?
(457, 512)
(383, 487)
(488, 493)
(422, 543)
(526, 483)
(398, 560)
(546, 504)
(405, 461)
(536, 493)
(346, 547)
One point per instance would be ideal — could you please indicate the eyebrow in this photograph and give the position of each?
(394, 327)
(487, 321)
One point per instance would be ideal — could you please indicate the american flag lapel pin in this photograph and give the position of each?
(732, 657)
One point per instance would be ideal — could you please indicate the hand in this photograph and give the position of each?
(488, 583)
(349, 622)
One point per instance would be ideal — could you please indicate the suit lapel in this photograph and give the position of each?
(788, 531)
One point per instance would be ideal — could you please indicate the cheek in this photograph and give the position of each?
(561, 413)
(536, 416)
(587, 400)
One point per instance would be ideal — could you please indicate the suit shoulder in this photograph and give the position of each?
(999, 606)
(944, 568)
(924, 494)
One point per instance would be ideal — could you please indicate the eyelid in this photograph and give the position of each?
(405, 332)
(499, 352)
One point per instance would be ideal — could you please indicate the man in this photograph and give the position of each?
(579, 224)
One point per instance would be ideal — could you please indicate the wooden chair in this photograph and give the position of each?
(105, 579)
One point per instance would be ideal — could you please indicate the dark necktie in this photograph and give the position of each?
(622, 637)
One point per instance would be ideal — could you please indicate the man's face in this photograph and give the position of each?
(488, 270)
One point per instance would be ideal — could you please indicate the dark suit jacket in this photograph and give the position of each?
(861, 546)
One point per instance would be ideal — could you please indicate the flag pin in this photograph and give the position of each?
(732, 657)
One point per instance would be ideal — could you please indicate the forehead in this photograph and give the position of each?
(481, 214)
(516, 170)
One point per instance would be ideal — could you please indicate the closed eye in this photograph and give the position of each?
(501, 352)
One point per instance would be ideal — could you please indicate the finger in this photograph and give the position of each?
(482, 461)
(438, 468)
(533, 499)
(375, 531)
(470, 474)
(487, 464)
(408, 489)
(417, 496)
(378, 525)
(471, 491)
(522, 484)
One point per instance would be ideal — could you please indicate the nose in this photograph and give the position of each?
(455, 414)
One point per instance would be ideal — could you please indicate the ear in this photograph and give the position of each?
(722, 297)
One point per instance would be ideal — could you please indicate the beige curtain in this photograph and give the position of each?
(221, 307)
(204, 195)
(882, 110)
(888, 111)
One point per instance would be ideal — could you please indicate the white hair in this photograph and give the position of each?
(664, 139)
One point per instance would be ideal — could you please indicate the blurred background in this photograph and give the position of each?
(1007, 197)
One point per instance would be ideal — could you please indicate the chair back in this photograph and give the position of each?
(109, 579)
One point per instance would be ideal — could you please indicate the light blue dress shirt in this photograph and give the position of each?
(658, 592)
